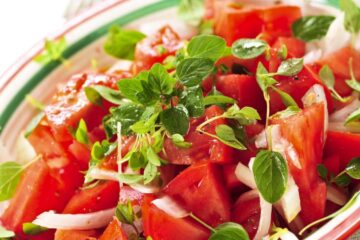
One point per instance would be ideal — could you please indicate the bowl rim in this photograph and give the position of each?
(343, 229)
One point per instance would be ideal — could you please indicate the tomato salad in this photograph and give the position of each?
(249, 129)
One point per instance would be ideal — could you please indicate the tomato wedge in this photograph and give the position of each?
(201, 190)
(76, 234)
(161, 226)
(114, 232)
(307, 125)
(295, 47)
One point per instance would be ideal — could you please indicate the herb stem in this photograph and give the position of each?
(267, 99)
(202, 222)
(199, 128)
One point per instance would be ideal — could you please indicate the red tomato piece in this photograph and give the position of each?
(147, 51)
(161, 226)
(247, 213)
(76, 234)
(201, 190)
(344, 145)
(307, 125)
(233, 185)
(332, 164)
(129, 194)
(70, 105)
(101, 197)
(244, 89)
(114, 232)
(295, 47)
(203, 147)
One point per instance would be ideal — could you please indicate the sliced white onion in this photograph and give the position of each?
(101, 174)
(341, 114)
(340, 127)
(288, 236)
(170, 207)
(260, 140)
(289, 205)
(316, 94)
(312, 56)
(265, 219)
(336, 196)
(3, 207)
(147, 189)
(84, 221)
(254, 193)
(244, 175)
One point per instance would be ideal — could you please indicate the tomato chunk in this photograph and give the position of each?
(114, 232)
(295, 47)
(344, 145)
(76, 234)
(307, 125)
(147, 51)
(201, 190)
(70, 104)
(161, 226)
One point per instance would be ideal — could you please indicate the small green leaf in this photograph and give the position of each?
(129, 178)
(150, 173)
(263, 79)
(144, 126)
(125, 213)
(93, 96)
(322, 171)
(229, 231)
(286, 98)
(227, 135)
(53, 51)
(206, 46)
(4, 233)
(32, 229)
(352, 16)
(160, 80)
(10, 173)
(289, 111)
(354, 116)
(217, 99)
(81, 134)
(353, 83)
(107, 93)
(192, 71)
(244, 116)
(33, 124)
(179, 141)
(192, 99)
(327, 76)
(283, 52)
(311, 28)
(158, 141)
(137, 161)
(353, 168)
(175, 120)
(152, 157)
(271, 175)
(131, 88)
(290, 67)
(191, 11)
(248, 48)
(121, 43)
(342, 180)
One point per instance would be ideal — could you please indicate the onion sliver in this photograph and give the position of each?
(170, 207)
(336, 196)
(245, 176)
(265, 219)
(248, 196)
(341, 114)
(84, 221)
(340, 127)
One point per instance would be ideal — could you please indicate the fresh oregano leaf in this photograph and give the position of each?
(311, 28)
(248, 48)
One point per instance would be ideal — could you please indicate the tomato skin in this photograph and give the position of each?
(332, 164)
(101, 197)
(70, 105)
(201, 190)
(146, 52)
(161, 226)
(233, 185)
(307, 124)
(76, 234)
(344, 145)
(247, 213)
(114, 232)
(295, 47)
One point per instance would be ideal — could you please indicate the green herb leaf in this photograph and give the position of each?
(353, 83)
(229, 231)
(286, 98)
(192, 99)
(342, 180)
(121, 43)
(352, 16)
(107, 93)
(160, 80)
(191, 11)
(244, 116)
(81, 134)
(206, 46)
(263, 79)
(311, 28)
(248, 48)
(53, 51)
(192, 71)
(353, 168)
(217, 99)
(271, 175)
(32, 229)
(150, 173)
(327, 76)
(175, 120)
(125, 213)
(129, 178)
(354, 116)
(289, 111)
(4, 233)
(33, 124)
(283, 52)
(290, 67)
(10, 173)
(322, 171)
(179, 141)
(152, 157)
(131, 88)
(227, 135)
(137, 161)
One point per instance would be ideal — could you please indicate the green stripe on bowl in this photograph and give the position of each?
(73, 49)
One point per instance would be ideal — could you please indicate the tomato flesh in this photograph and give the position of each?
(76, 234)
(113, 232)
(295, 47)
